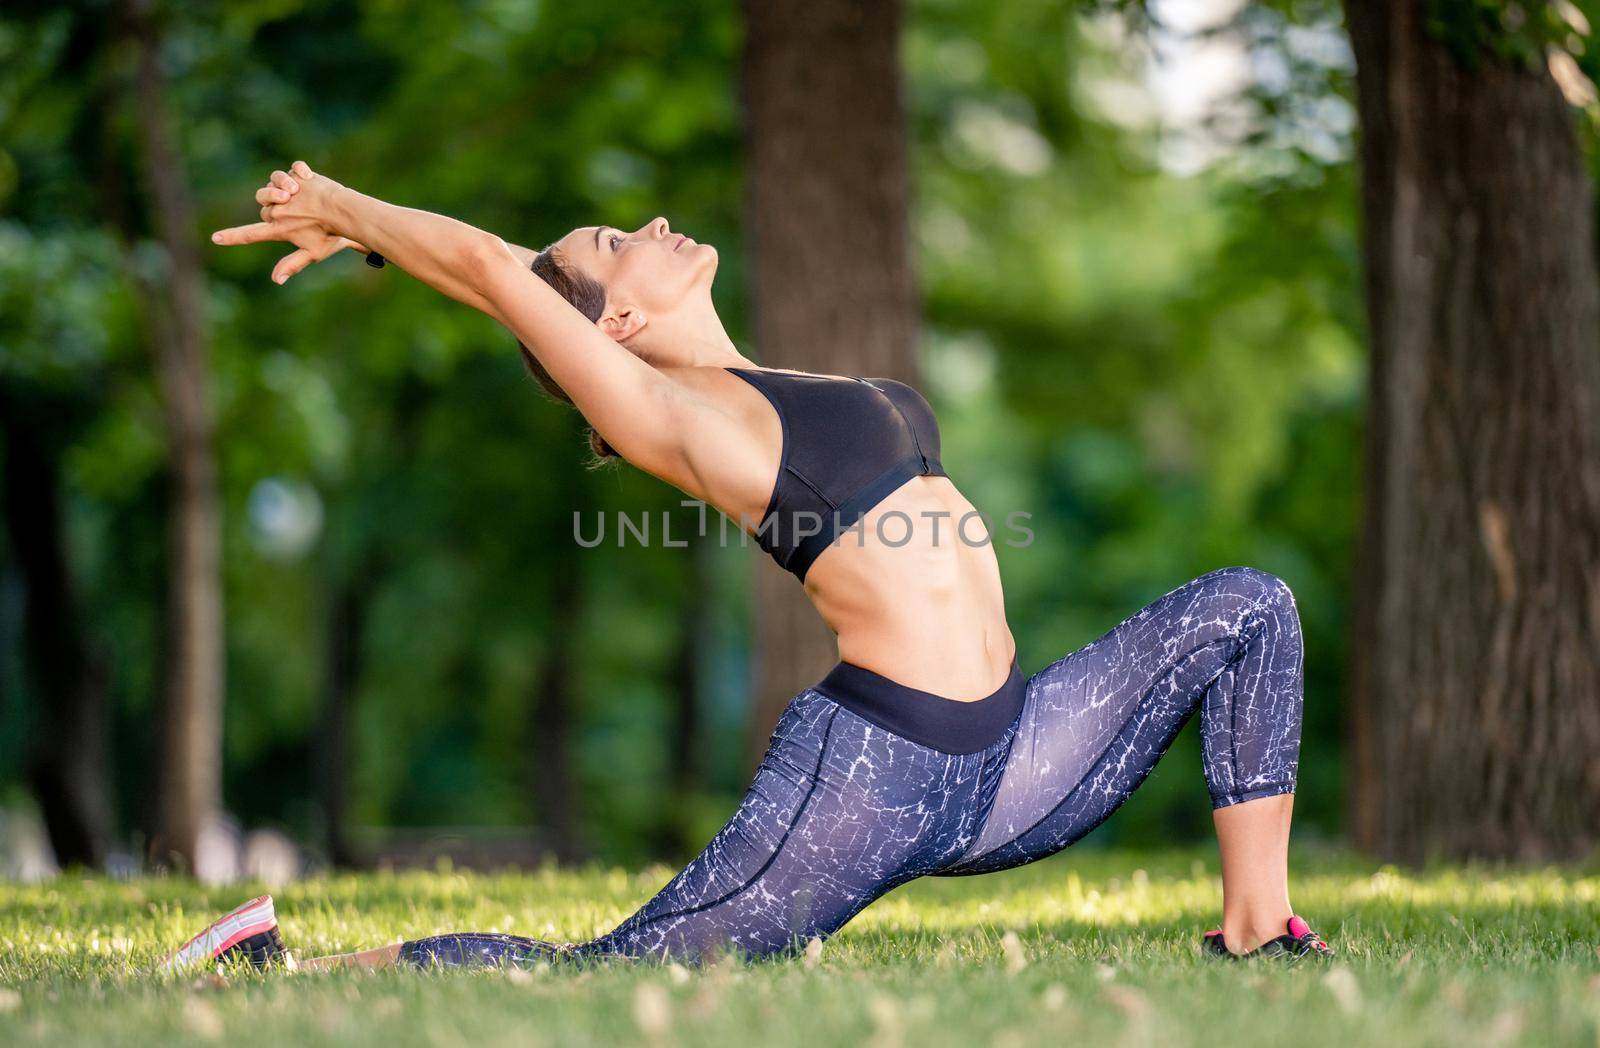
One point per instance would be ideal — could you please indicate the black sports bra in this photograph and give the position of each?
(848, 443)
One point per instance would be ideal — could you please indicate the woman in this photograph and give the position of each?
(924, 751)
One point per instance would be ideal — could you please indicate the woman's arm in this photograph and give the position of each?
(633, 406)
(281, 189)
(525, 255)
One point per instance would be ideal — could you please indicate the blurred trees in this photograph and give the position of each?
(1161, 363)
(1156, 356)
(63, 319)
(1477, 687)
(66, 762)
(827, 222)
(188, 769)
(396, 499)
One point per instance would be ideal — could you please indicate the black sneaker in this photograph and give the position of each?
(248, 933)
(1299, 941)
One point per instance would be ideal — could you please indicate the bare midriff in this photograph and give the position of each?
(914, 594)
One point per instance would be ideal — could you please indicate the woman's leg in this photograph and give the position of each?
(381, 957)
(466, 949)
(840, 812)
(1254, 837)
(1095, 723)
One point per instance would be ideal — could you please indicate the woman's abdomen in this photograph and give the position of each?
(914, 593)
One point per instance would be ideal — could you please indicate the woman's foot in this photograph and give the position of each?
(1297, 942)
(249, 932)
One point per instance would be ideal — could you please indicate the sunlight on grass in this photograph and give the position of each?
(1097, 946)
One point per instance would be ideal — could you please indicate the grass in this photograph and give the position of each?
(1107, 955)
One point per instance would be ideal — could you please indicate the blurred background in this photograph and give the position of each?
(287, 575)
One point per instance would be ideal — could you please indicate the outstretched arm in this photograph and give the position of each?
(634, 407)
(283, 186)
(525, 255)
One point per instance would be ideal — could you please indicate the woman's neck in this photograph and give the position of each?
(692, 336)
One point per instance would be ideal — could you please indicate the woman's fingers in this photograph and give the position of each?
(257, 233)
(291, 264)
(279, 190)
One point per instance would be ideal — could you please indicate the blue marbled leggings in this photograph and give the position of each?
(842, 811)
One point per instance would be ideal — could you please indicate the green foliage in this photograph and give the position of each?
(445, 484)
(1162, 367)
(1520, 31)
(1167, 371)
(1106, 949)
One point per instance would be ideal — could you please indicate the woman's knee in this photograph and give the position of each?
(1244, 590)
(1252, 584)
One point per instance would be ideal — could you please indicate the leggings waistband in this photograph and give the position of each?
(929, 720)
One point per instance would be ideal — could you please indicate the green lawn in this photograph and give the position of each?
(1107, 953)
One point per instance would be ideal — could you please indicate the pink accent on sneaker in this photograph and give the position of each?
(1298, 927)
(1210, 934)
(253, 918)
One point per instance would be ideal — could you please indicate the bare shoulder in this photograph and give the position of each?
(730, 436)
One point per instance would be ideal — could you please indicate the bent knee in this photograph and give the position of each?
(1251, 587)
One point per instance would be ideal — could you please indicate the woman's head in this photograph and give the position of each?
(650, 276)
(640, 288)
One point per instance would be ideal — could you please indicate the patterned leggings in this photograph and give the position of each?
(842, 811)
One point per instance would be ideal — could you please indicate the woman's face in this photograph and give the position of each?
(651, 269)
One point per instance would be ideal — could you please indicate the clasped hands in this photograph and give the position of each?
(296, 208)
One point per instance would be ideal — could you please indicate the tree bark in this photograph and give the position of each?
(67, 759)
(550, 771)
(678, 832)
(190, 765)
(1475, 673)
(350, 602)
(827, 211)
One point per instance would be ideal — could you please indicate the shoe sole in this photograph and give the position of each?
(255, 918)
(260, 949)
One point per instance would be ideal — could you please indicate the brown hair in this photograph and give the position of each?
(588, 296)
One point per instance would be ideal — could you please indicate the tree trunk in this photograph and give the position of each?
(190, 766)
(1475, 672)
(347, 620)
(550, 772)
(67, 759)
(830, 254)
(679, 833)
